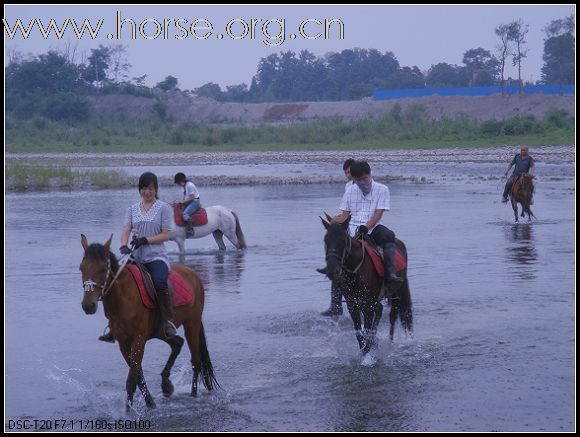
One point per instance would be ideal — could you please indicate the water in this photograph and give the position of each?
(493, 305)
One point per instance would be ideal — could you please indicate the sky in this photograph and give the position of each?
(224, 43)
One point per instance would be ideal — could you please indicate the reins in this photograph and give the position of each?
(89, 284)
(332, 253)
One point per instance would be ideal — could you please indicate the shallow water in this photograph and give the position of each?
(493, 305)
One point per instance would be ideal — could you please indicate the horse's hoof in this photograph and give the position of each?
(167, 387)
(368, 360)
(151, 404)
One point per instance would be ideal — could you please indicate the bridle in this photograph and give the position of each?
(89, 285)
(346, 252)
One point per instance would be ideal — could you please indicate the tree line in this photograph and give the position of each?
(55, 85)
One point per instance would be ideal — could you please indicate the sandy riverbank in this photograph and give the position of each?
(413, 165)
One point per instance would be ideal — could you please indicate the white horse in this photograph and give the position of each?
(220, 221)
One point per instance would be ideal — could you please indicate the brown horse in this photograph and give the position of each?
(521, 192)
(132, 324)
(361, 285)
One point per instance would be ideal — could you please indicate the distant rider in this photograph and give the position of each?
(191, 196)
(523, 163)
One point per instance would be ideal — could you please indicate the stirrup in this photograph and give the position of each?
(170, 328)
(107, 336)
(394, 279)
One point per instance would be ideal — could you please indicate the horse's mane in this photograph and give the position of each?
(96, 252)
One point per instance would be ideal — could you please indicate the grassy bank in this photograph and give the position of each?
(25, 177)
(398, 129)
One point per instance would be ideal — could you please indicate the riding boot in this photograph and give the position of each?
(189, 231)
(166, 308)
(322, 270)
(389, 262)
(107, 336)
(335, 302)
(506, 191)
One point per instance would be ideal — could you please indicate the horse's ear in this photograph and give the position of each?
(328, 218)
(324, 223)
(84, 241)
(346, 222)
(107, 245)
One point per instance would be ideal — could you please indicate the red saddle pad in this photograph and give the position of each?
(197, 219)
(182, 293)
(400, 262)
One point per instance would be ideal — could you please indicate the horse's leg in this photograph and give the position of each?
(135, 355)
(372, 315)
(515, 207)
(219, 239)
(357, 322)
(192, 335)
(131, 383)
(230, 233)
(406, 307)
(372, 319)
(393, 316)
(175, 343)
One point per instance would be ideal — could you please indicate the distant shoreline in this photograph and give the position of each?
(64, 171)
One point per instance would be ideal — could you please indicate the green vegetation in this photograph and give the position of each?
(399, 128)
(26, 177)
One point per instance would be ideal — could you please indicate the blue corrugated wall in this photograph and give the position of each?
(470, 91)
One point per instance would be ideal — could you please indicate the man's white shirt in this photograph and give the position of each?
(190, 189)
(361, 207)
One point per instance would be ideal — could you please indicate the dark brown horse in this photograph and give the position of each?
(133, 324)
(361, 285)
(521, 192)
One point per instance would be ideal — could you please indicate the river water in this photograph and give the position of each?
(494, 309)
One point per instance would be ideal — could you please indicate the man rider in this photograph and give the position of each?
(366, 201)
(523, 163)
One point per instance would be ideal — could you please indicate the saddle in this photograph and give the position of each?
(197, 219)
(179, 289)
(376, 255)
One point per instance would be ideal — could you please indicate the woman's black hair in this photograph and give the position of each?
(147, 179)
(347, 163)
(179, 177)
(359, 169)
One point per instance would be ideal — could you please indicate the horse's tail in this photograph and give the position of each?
(209, 380)
(405, 303)
(239, 233)
(406, 307)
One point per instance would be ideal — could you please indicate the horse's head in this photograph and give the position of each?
(528, 181)
(335, 244)
(97, 268)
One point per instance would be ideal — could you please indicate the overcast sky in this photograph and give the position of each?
(417, 35)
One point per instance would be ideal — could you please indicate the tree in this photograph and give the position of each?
(503, 49)
(168, 84)
(48, 74)
(480, 62)
(517, 33)
(559, 53)
(96, 71)
(211, 90)
(446, 75)
(236, 93)
(140, 80)
(119, 66)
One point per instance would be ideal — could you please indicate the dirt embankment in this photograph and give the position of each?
(182, 107)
